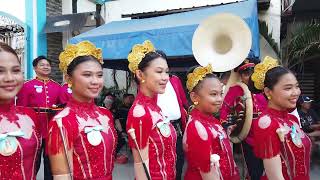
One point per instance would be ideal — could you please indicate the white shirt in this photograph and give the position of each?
(168, 102)
(296, 114)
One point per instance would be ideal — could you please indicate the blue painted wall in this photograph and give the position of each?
(41, 40)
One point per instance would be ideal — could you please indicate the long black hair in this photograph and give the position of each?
(273, 76)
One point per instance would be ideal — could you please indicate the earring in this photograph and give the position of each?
(196, 103)
(69, 85)
(269, 97)
(143, 81)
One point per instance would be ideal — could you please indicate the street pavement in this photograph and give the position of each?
(125, 172)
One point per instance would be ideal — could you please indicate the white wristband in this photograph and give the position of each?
(62, 177)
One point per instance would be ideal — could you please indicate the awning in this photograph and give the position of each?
(171, 33)
(70, 22)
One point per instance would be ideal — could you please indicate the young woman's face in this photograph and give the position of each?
(209, 96)
(285, 93)
(87, 81)
(11, 77)
(156, 76)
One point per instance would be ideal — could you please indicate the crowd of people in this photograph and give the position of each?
(80, 140)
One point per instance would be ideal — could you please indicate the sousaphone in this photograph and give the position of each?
(224, 40)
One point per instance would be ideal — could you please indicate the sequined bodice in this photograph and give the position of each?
(293, 144)
(206, 132)
(20, 141)
(152, 129)
(91, 133)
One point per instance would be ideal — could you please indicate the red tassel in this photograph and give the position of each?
(55, 144)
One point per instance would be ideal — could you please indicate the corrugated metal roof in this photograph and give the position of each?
(169, 11)
(262, 5)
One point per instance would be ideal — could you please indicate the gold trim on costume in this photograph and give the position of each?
(197, 75)
(138, 52)
(261, 69)
(72, 51)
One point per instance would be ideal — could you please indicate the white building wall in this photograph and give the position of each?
(139, 6)
(15, 8)
(114, 9)
(273, 19)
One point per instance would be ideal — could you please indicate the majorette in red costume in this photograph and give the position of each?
(154, 144)
(296, 147)
(152, 130)
(204, 136)
(20, 140)
(88, 130)
(277, 133)
(20, 136)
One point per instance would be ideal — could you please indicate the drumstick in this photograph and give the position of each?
(133, 136)
(59, 123)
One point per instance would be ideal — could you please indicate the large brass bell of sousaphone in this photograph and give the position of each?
(224, 40)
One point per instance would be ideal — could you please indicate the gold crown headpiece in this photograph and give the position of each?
(197, 75)
(84, 48)
(138, 53)
(260, 71)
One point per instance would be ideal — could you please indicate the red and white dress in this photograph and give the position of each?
(20, 140)
(90, 132)
(203, 137)
(294, 151)
(153, 130)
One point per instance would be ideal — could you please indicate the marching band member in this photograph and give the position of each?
(234, 101)
(82, 137)
(20, 136)
(204, 136)
(154, 147)
(278, 139)
(65, 94)
(42, 94)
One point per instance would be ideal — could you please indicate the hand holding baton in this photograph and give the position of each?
(133, 136)
(59, 123)
(281, 133)
(214, 160)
